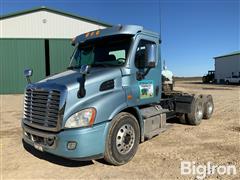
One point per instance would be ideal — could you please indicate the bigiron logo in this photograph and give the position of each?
(201, 171)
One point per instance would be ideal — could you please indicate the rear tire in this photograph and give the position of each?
(196, 114)
(122, 139)
(182, 118)
(208, 107)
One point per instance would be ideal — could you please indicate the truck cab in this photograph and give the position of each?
(107, 101)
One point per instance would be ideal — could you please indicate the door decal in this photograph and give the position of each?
(146, 89)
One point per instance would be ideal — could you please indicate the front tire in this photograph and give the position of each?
(122, 139)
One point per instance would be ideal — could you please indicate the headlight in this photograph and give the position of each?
(82, 118)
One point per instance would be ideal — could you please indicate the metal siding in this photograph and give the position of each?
(224, 66)
(43, 24)
(15, 56)
(60, 51)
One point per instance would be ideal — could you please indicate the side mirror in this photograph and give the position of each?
(84, 69)
(28, 73)
(151, 55)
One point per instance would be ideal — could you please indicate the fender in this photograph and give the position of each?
(134, 111)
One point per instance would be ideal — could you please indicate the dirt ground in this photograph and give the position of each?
(216, 141)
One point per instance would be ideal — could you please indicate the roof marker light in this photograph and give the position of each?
(97, 32)
(87, 34)
(92, 33)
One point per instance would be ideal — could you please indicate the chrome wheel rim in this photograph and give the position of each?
(199, 112)
(125, 139)
(209, 108)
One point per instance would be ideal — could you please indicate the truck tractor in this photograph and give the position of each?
(209, 77)
(109, 99)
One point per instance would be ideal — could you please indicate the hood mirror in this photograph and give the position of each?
(28, 73)
(84, 69)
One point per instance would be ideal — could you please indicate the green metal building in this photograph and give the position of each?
(38, 39)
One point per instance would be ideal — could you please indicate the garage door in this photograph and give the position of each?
(15, 56)
(60, 51)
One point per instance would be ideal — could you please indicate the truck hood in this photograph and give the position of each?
(70, 78)
(67, 84)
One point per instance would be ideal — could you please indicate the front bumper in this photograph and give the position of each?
(90, 141)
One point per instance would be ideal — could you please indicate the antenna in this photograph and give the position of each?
(160, 35)
(160, 21)
(164, 65)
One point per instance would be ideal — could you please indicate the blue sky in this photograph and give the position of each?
(192, 31)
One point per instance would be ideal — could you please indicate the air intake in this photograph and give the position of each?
(107, 85)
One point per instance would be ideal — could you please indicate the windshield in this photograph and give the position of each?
(107, 51)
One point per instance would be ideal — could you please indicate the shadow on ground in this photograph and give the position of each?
(173, 121)
(55, 159)
(73, 163)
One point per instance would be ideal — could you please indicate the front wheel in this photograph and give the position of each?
(122, 140)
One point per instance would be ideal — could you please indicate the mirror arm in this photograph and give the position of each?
(28, 80)
(147, 71)
(141, 75)
(82, 91)
(28, 73)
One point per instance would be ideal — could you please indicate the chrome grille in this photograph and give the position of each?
(41, 108)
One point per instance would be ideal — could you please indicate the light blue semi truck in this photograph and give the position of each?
(108, 100)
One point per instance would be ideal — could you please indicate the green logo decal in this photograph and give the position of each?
(146, 89)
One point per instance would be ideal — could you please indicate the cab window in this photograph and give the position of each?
(118, 53)
(140, 56)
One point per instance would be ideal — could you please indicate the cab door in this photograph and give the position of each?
(146, 82)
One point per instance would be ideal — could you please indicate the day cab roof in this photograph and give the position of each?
(111, 31)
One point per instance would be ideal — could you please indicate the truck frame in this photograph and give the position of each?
(108, 101)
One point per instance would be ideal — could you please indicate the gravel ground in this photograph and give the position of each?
(216, 140)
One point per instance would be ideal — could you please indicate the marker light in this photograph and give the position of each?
(87, 34)
(97, 33)
(92, 33)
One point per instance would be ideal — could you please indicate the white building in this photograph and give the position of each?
(46, 23)
(227, 65)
